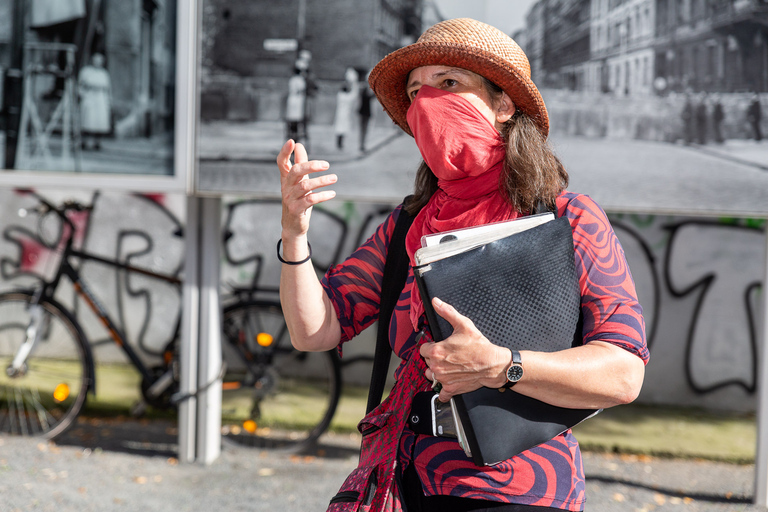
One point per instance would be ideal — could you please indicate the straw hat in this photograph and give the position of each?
(462, 43)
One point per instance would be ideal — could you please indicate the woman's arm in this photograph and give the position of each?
(309, 315)
(592, 376)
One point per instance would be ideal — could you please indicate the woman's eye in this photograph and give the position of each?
(450, 82)
(412, 94)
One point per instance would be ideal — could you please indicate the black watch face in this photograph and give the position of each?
(515, 373)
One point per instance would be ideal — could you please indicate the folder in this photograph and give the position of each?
(522, 292)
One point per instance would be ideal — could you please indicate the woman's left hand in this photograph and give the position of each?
(466, 360)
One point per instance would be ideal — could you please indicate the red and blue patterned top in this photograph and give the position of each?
(550, 474)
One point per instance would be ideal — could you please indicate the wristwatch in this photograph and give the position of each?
(515, 370)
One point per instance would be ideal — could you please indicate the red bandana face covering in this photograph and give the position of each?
(466, 153)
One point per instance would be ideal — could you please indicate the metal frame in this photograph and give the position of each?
(761, 454)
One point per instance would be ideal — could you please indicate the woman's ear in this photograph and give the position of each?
(506, 109)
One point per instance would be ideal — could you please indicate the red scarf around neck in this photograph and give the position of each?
(466, 153)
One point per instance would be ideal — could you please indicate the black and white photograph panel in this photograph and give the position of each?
(88, 86)
(298, 69)
(655, 106)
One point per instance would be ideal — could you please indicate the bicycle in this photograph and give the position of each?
(272, 395)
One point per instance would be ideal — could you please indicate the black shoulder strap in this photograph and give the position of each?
(395, 275)
(543, 207)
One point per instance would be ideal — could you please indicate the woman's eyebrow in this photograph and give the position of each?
(439, 74)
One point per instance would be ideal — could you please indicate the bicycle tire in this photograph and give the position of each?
(46, 395)
(274, 396)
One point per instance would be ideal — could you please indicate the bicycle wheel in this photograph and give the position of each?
(274, 396)
(40, 394)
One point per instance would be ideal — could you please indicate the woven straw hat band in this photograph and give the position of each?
(463, 43)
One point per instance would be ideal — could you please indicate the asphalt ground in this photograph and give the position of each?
(124, 464)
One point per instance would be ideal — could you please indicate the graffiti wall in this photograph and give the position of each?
(700, 284)
(699, 279)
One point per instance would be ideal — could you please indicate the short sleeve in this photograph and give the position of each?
(609, 302)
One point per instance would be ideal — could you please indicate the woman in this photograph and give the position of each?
(463, 90)
(95, 89)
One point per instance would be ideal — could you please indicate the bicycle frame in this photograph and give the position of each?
(66, 268)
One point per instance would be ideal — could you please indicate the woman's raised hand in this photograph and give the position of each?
(299, 191)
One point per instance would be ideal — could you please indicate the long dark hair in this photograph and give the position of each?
(532, 172)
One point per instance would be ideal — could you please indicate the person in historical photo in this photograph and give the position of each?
(295, 106)
(755, 116)
(464, 92)
(346, 99)
(364, 111)
(702, 119)
(688, 117)
(718, 116)
(95, 88)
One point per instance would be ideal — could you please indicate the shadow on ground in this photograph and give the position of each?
(159, 437)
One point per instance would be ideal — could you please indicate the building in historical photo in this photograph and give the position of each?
(251, 48)
(566, 43)
(621, 42)
(716, 45)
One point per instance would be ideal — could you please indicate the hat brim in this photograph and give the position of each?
(388, 78)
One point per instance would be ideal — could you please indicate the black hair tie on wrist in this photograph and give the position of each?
(280, 242)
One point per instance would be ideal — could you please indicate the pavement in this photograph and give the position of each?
(746, 151)
(122, 464)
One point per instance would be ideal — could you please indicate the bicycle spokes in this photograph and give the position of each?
(273, 395)
(46, 376)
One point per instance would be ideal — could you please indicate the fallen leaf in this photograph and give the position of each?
(140, 480)
(618, 497)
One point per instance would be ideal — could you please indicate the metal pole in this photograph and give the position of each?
(190, 333)
(301, 22)
(209, 363)
(761, 456)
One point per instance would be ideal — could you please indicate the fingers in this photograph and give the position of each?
(302, 166)
(284, 157)
(301, 154)
(456, 319)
